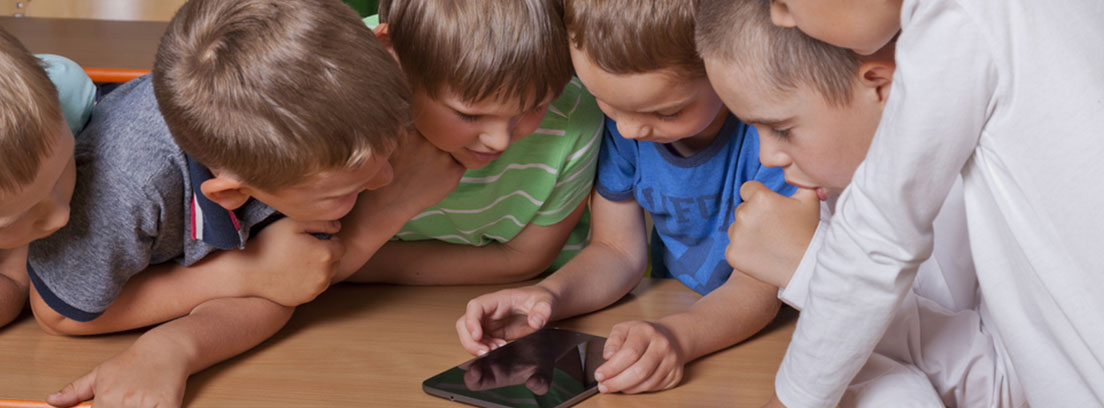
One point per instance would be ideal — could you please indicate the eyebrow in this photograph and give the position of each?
(765, 121)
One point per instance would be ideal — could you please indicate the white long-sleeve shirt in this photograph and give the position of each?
(1009, 94)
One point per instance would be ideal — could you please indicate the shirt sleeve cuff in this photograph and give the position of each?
(796, 292)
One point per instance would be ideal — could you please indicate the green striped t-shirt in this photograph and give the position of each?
(540, 179)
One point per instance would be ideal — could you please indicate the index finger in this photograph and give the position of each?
(750, 189)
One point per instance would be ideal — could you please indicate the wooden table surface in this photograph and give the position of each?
(96, 45)
(373, 345)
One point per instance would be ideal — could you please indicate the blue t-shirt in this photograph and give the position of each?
(691, 199)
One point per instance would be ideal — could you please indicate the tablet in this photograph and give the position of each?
(548, 368)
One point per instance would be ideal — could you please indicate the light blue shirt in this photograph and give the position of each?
(76, 92)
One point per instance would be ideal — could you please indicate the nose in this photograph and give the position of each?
(771, 154)
(631, 129)
(780, 14)
(382, 178)
(497, 140)
(54, 216)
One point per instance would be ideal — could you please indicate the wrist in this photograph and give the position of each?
(684, 344)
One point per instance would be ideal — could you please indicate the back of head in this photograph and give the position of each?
(508, 50)
(740, 34)
(273, 91)
(635, 36)
(30, 114)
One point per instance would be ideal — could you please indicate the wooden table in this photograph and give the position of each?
(373, 345)
(110, 51)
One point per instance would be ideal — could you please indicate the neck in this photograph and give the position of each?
(690, 146)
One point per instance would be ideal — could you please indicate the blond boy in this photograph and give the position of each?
(672, 149)
(44, 100)
(256, 109)
(492, 87)
(819, 106)
(1008, 95)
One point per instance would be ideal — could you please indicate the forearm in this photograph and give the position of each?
(365, 231)
(441, 263)
(160, 293)
(13, 283)
(728, 315)
(216, 330)
(433, 262)
(598, 276)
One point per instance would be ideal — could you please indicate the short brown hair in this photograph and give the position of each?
(740, 32)
(29, 114)
(635, 36)
(503, 49)
(274, 91)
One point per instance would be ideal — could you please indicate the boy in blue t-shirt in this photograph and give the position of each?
(44, 101)
(673, 149)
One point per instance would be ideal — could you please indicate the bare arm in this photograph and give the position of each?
(728, 315)
(154, 370)
(618, 249)
(441, 263)
(608, 268)
(284, 263)
(13, 283)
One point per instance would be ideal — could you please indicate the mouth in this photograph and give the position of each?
(823, 196)
(484, 156)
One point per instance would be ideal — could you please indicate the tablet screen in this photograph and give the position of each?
(548, 368)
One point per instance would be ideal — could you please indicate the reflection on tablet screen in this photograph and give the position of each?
(549, 368)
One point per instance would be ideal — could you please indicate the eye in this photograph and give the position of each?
(468, 118)
(668, 116)
(781, 133)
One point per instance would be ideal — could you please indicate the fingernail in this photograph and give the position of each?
(599, 377)
(540, 322)
(601, 388)
(482, 352)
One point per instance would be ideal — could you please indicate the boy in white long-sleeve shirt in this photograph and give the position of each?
(818, 107)
(1010, 95)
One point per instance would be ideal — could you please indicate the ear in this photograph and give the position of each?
(780, 14)
(877, 76)
(225, 191)
(383, 34)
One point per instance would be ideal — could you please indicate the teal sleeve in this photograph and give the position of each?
(76, 92)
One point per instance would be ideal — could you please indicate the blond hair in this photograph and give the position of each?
(30, 115)
(636, 36)
(273, 91)
(740, 33)
(509, 50)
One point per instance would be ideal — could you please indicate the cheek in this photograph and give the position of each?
(527, 125)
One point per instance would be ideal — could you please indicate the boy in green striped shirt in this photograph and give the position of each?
(492, 86)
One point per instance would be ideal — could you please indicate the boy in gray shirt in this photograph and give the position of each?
(255, 109)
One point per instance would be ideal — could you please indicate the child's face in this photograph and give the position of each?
(330, 194)
(817, 144)
(41, 207)
(864, 26)
(474, 133)
(654, 106)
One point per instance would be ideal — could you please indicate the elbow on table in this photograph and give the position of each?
(55, 323)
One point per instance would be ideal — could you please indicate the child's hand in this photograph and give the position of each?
(493, 319)
(771, 232)
(131, 379)
(287, 264)
(424, 175)
(640, 357)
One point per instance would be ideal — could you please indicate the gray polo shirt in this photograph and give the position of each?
(136, 204)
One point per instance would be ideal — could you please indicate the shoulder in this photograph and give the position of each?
(126, 147)
(76, 92)
(574, 113)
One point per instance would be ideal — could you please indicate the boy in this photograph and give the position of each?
(507, 110)
(671, 149)
(977, 84)
(44, 100)
(255, 108)
(821, 105)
